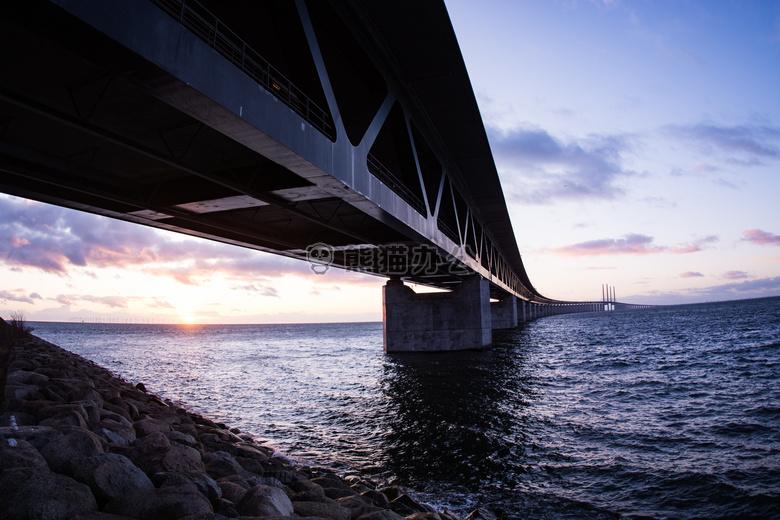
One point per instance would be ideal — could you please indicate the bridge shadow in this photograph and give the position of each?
(461, 419)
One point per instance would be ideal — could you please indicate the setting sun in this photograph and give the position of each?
(188, 319)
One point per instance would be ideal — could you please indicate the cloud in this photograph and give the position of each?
(159, 303)
(262, 290)
(693, 247)
(691, 274)
(759, 288)
(16, 295)
(746, 144)
(761, 237)
(631, 244)
(746, 289)
(55, 240)
(735, 275)
(538, 168)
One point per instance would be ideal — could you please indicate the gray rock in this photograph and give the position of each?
(265, 501)
(205, 516)
(424, 516)
(42, 495)
(155, 454)
(322, 510)
(24, 377)
(69, 418)
(97, 515)
(377, 497)
(184, 439)
(384, 514)
(59, 409)
(358, 506)
(160, 504)
(331, 481)
(62, 453)
(146, 426)
(405, 505)
(336, 493)
(232, 491)
(38, 436)
(22, 455)
(202, 482)
(21, 391)
(110, 476)
(481, 514)
(221, 464)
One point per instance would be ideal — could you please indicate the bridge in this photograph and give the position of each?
(340, 132)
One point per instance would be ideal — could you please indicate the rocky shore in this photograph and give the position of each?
(77, 442)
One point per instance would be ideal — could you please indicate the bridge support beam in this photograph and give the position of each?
(504, 313)
(431, 322)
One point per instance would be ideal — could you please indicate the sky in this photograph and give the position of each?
(637, 142)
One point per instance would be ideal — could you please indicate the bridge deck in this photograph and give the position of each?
(155, 112)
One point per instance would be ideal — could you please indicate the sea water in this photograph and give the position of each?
(668, 412)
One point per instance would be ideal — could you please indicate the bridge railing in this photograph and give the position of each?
(206, 26)
(388, 178)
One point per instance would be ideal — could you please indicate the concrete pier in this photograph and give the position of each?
(430, 322)
(504, 313)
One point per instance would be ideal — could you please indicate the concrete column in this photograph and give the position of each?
(504, 313)
(429, 322)
(522, 311)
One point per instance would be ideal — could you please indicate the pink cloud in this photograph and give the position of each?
(696, 245)
(735, 275)
(17, 295)
(691, 274)
(632, 244)
(761, 237)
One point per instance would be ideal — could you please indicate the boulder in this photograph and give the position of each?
(321, 510)
(250, 465)
(205, 516)
(384, 514)
(63, 453)
(184, 439)
(69, 418)
(110, 476)
(155, 454)
(265, 501)
(20, 454)
(221, 464)
(331, 481)
(232, 491)
(97, 515)
(424, 516)
(42, 495)
(481, 514)
(146, 426)
(160, 504)
(202, 482)
(336, 493)
(358, 506)
(405, 505)
(115, 433)
(38, 436)
(24, 377)
(377, 498)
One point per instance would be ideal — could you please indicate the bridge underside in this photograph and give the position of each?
(360, 147)
(87, 123)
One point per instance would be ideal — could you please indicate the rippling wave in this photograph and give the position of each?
(670, 412)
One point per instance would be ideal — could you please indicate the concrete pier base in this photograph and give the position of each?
(504, 313)
(430, 322)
